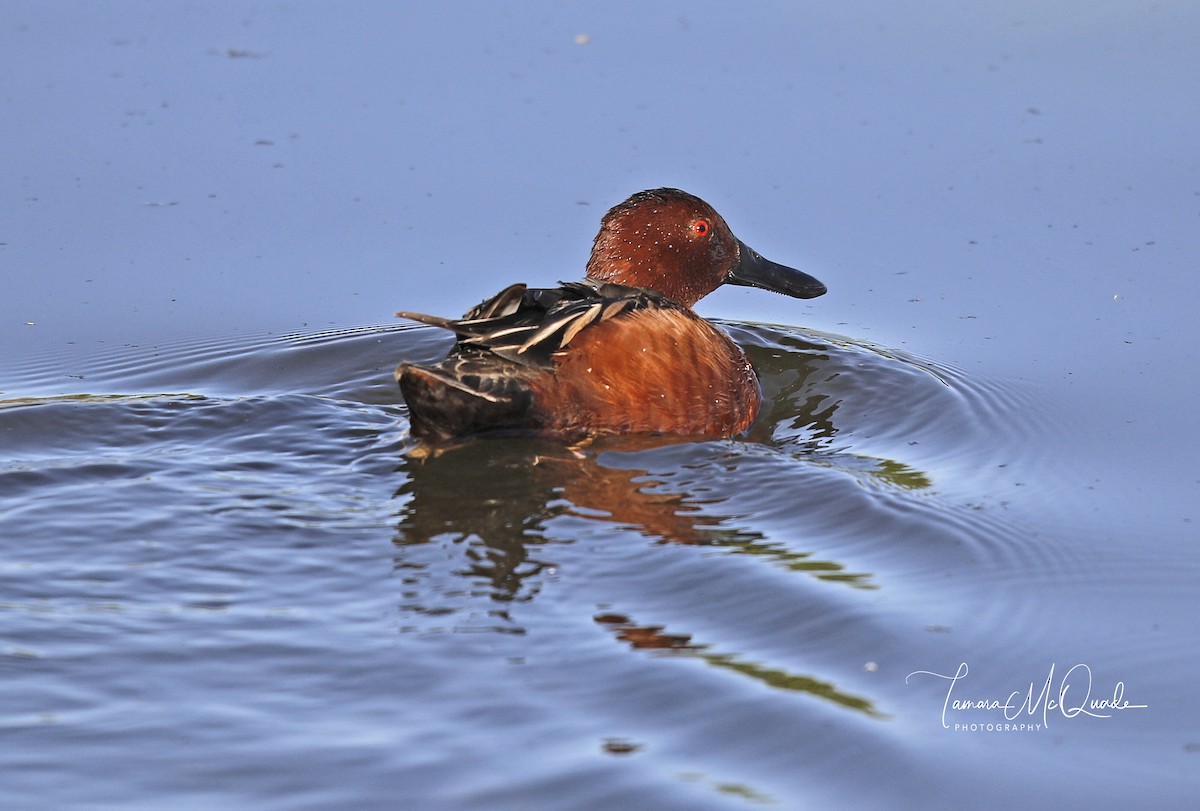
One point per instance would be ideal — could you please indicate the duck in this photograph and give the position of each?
(619, 352)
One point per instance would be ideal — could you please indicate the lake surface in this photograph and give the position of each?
(952, 564)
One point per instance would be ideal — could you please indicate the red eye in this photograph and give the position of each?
(700, 228)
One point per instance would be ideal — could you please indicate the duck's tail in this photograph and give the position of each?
(457, 398)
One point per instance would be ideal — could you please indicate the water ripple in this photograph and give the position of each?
(246, 500)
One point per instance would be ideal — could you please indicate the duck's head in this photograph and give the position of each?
(674, 242)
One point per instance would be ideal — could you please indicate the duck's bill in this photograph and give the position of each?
(752, 270)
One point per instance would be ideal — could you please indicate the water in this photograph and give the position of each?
(223, 582)
(245, 593)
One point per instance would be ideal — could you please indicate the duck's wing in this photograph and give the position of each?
(528, 325)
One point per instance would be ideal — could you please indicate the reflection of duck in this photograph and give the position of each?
(497, 501)
(620, 352)
(652, 637)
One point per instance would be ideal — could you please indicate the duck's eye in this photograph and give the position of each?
(701, 228)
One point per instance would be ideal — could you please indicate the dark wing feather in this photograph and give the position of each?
(528, 325)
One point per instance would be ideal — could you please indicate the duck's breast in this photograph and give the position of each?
(654, 370)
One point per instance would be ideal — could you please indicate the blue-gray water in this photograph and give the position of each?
(223, 583)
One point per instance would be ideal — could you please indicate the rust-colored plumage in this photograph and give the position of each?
(658, 370)
(619, 352)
